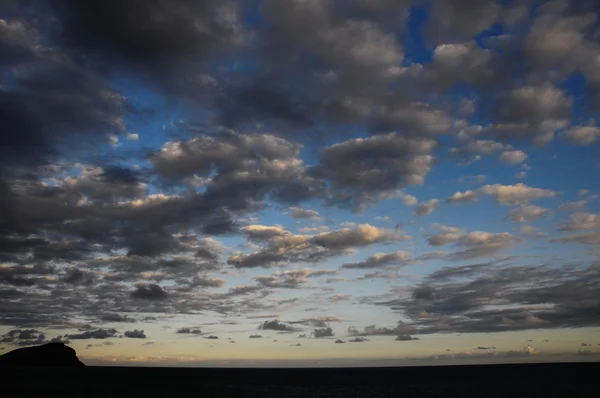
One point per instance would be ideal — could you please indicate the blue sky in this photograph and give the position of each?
(180, 176)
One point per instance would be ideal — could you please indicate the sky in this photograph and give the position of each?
(301, 182)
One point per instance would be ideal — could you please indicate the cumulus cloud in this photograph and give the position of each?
(91, 236)
(571, 206)
(426, 208)
(513, 157)
(527, 213)
(380, 260)
(149, 292)
(324, 332)
(135, 334)
(93, 334)
(276, 325)
(406, 337)
(581, 221)
(314, 248)
(188, 331)
(504, 194)
(298, 212)
(375, 165)
(445, 235)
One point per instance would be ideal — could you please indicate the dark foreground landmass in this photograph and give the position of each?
(54, 370)
(522, 380)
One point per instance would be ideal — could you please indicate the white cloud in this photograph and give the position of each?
(114, 140)
(504, 194)
(380, 260)
(581, 221)
(445, 235)
(513, 157)
(133, 136)
(583, 192)
(570, 206)
(527, 213)
(583, 135)
(521, 174)
(298, 212)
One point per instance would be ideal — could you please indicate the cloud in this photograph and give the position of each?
(324, 332)
(372, 330)
(426, 208)
(513, 157)
(406, 337)
(339, 341)
(149, 292)
(93, 334)
(587, 238)
(463, 299)
(298, 212)
(445, 235)
(275, 325)
(581, 221)
(480, 244)
(527, 213)
(380, 260)
(504, 194)
(115, 318)
(262, 232)
(455, 21)
(255, 336)
(374, 165)
(92, 237)
(339, 297)
(188, 331)
(135, 334)
(288, 247)
(571, 206)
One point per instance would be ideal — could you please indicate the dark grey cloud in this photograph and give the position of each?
(406, 337)
(275, 325)
(149, 292)
(323, 332)
(361, 169)
(255, 336)
(93, 334)
(463, 300)
(29, 337)
(115, 318)
(426, 208)
(188, 331)
(212, 337)
(135, 334)
(118, 37)
(456, 21)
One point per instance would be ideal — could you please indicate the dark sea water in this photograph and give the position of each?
(526, 380)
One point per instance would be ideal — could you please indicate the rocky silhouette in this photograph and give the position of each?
(51, 354)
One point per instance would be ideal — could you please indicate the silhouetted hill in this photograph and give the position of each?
(51, 354)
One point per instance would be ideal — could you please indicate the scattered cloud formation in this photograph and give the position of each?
(298, 166)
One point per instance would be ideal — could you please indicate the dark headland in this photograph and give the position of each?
(47, 375)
